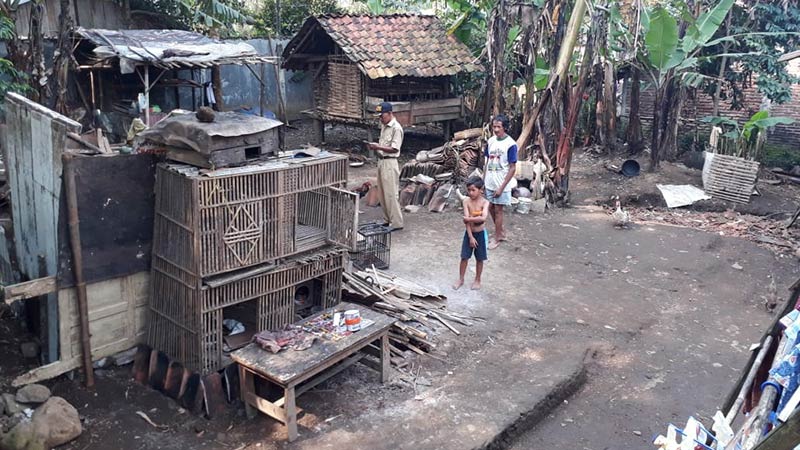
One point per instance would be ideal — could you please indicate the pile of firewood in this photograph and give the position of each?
(469, 144)
(420, 312)
(458, 157)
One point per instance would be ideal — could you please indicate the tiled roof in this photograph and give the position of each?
(395, 45)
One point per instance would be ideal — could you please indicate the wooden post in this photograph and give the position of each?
(291, 413)
(262, 94)
(146, 95)
(386, 357)
(280, 84)
(77, 265)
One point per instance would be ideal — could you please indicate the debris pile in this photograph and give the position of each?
(770, 234)
(457, 158)
(430, 179)
(420, 312)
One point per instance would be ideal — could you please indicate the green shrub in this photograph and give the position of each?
(687, 142)
(777, 155)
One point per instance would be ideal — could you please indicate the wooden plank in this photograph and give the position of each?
(33, 106)
(468, 134)
(265, 406)
(436, 118)
(29, 289)
(443, 103)
(116, 224)
(385, 358)
(61, 367)
(416, 112)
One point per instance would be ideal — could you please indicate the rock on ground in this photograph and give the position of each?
(24, 436)
(33, 393)
(11, 405)
(60, 419)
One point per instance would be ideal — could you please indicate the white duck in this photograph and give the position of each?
(620, 217)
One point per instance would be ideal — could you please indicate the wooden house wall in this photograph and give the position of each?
(117, 288)
(108, 14)
(35, 139)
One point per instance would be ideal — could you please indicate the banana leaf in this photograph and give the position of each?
(706, 26)
(661, 40)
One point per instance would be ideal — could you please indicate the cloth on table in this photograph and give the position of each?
(290, 336)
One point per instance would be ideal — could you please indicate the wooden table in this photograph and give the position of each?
(298, 371)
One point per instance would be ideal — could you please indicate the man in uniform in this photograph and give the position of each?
(388, 150)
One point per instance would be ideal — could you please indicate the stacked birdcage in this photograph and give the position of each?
(244, 237)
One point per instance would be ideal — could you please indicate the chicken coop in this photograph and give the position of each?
(187, 314)
(358, 61)
(208, 223)
(239, 243)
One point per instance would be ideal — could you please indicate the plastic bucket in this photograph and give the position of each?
(630, 168)
(524, 205)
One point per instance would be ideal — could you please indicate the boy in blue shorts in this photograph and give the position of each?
(476, 210)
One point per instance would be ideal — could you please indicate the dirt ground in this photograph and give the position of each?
(665, 315)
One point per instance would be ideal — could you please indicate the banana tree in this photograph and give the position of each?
(670, 61)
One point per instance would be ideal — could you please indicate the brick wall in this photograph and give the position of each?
(701, 106)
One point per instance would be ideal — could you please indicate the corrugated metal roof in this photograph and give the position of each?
(168, 49)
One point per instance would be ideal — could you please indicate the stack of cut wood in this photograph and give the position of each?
(469, 144)
(420, 312)
(469, 159)
(458, 157)
(414, 168)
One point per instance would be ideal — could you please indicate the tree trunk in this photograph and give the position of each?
(216, 79)
(598, 125)
(565, 144)
(38, 78)
(278, 32)
(610, 101)
(558, 74)
(497, 36)
(61, 60)
(676, 92)
(633, 135)
(722, 66)
(655, 145)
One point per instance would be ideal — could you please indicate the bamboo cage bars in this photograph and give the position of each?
(246, 235)
(186, 319)
(208, 225)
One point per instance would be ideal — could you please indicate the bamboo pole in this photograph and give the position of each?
(77, 265)
(749, 380)
(754, 429)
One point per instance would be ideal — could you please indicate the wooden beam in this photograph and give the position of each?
(29, 289)
(47, 371)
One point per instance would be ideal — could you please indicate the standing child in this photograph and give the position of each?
(476, 210)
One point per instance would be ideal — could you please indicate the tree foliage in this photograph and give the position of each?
(12, 79)
(200, 15)
(761, 32)
(293, 14)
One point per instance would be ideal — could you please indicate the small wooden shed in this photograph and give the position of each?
(358, 61)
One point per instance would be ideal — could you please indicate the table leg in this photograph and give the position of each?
(291, 413)
(247, 386)
(386, 356)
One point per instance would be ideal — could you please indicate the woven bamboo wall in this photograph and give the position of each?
(345, 91)
(186, 315)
